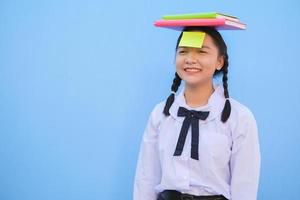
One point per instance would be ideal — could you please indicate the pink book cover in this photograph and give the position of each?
(219, 23)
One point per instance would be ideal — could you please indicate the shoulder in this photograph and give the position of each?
(157, 114)
(154, 122)
(240, 110)
(241, 117)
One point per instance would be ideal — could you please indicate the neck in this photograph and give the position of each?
(197, 96)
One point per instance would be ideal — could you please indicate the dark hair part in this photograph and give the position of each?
(219, 42)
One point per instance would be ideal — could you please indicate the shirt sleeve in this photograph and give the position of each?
(148, 171)
(245, 159)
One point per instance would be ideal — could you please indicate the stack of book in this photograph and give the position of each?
(218, 20)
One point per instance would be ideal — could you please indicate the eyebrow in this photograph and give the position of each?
(205, 47)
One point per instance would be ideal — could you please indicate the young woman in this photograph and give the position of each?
(199, 144)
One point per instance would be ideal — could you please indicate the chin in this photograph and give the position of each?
(192, 83)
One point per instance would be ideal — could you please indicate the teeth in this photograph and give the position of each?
(192, 70)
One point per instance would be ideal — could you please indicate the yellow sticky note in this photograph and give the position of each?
(192, 39)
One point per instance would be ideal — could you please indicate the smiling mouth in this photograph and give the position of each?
(192, 69)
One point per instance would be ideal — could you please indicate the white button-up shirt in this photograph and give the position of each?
(229, 154)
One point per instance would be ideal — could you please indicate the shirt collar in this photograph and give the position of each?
(214, 105)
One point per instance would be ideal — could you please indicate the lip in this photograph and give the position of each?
(192, 70)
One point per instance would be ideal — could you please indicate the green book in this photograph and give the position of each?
(206, 15)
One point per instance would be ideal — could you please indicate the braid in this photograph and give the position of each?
(227, 107)
(174, 88)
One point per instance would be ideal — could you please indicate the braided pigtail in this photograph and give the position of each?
(170, 100)
(227, 107)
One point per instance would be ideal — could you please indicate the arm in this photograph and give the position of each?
(148, 172)
(245, 160)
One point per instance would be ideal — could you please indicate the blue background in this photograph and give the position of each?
(78, 80)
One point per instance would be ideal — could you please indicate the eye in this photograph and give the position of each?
(182, 51)
(202, 51)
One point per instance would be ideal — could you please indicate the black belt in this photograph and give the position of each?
(175, 195)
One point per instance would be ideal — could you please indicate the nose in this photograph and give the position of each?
(190, 59)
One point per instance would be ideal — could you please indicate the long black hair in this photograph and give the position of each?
(219, 42)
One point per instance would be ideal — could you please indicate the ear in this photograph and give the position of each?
(220, 62)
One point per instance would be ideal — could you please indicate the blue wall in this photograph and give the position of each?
(78, 81)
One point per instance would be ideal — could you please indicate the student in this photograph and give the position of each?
(200, 143)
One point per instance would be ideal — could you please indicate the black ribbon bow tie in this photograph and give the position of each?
(191, 118)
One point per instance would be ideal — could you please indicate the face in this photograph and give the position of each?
(196, 66)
